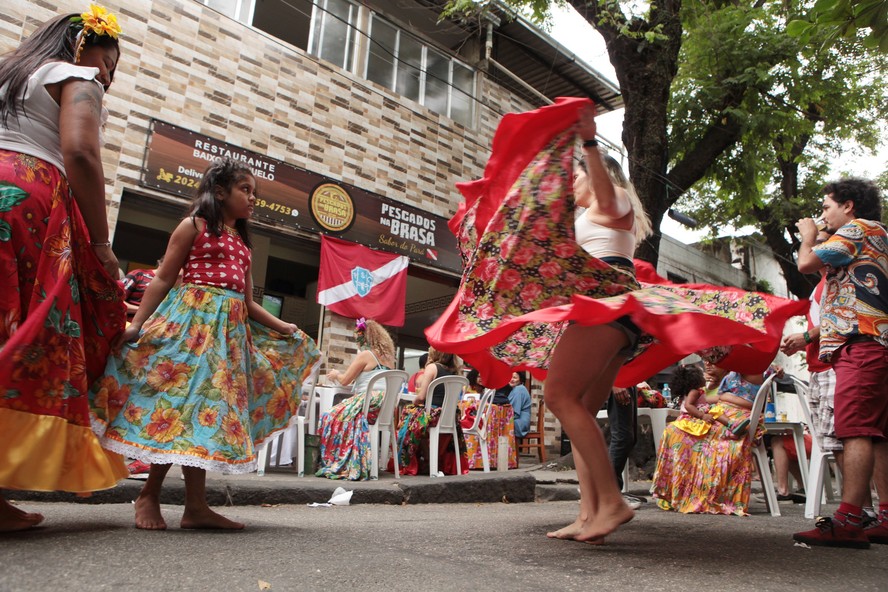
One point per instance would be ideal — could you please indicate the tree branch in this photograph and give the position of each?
(719, 137)
(591, 11)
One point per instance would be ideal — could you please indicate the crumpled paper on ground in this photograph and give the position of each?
(340, 497)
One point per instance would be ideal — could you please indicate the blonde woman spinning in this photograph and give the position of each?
(586, 360)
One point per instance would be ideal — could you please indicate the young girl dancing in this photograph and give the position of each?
(200, 386)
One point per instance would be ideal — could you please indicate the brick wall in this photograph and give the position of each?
(187, 64)
(191, 66)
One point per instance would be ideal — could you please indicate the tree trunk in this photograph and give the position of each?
(796, 282)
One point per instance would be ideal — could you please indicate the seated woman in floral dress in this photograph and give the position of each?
(711, 473)
(345, 441)
(415, 421)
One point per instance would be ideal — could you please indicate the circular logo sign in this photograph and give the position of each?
(332, 207)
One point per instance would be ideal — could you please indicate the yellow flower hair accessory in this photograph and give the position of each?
(95, 22)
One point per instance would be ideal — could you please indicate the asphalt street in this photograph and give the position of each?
(452, 547)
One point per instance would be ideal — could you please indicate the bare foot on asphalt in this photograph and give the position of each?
(607, 520)
(148, 516)
(206, 518)
(569, 531)
(13, 519)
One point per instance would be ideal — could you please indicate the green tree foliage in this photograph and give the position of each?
(729, 112)
(831, 20)
(799, 105)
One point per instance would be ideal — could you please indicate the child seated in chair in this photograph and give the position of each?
(697, 414)
(710, 473)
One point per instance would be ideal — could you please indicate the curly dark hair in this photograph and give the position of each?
(224, 173)
(685, 379)
(865, 194)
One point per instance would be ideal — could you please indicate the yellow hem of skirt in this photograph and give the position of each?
(46, 453)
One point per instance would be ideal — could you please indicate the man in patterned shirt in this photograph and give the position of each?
(854, 340)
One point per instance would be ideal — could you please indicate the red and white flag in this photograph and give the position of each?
(356, 281)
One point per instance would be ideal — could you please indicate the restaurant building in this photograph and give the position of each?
(357, 118)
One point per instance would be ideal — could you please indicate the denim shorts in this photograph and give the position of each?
(625, 324)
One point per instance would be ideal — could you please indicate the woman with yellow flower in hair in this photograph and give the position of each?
(61, 306)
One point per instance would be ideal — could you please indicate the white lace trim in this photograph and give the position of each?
(160, 457)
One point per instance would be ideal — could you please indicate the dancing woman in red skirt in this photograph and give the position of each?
(533, 298)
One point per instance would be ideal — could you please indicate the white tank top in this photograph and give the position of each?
(601, 241)
(36, 132)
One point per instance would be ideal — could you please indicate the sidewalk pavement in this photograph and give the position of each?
(530, 483)
(284, 486)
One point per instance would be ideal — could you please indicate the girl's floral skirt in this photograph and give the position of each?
(203, 385)
(526, 279)
(59, 313)
(707, 474)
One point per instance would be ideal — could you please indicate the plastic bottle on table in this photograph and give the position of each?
(770, 411)
(667, 394)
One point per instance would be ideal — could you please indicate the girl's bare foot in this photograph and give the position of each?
(13, 519)
(148, 516)
(607, 520)
(206, 518)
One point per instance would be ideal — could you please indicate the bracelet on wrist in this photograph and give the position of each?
(104, 244)
(807, 337)
(590, 143)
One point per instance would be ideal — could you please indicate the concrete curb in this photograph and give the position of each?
(286, 488)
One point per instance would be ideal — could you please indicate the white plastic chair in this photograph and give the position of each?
(818, 465)
(760, 453)
(453, 386)
(479, 427)
(308, 397)
(283, 440)
(385, 421)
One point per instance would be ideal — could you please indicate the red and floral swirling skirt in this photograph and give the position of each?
(525, 277)
(59, 313)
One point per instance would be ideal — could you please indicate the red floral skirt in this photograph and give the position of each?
(526, 279)
(59, 313)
